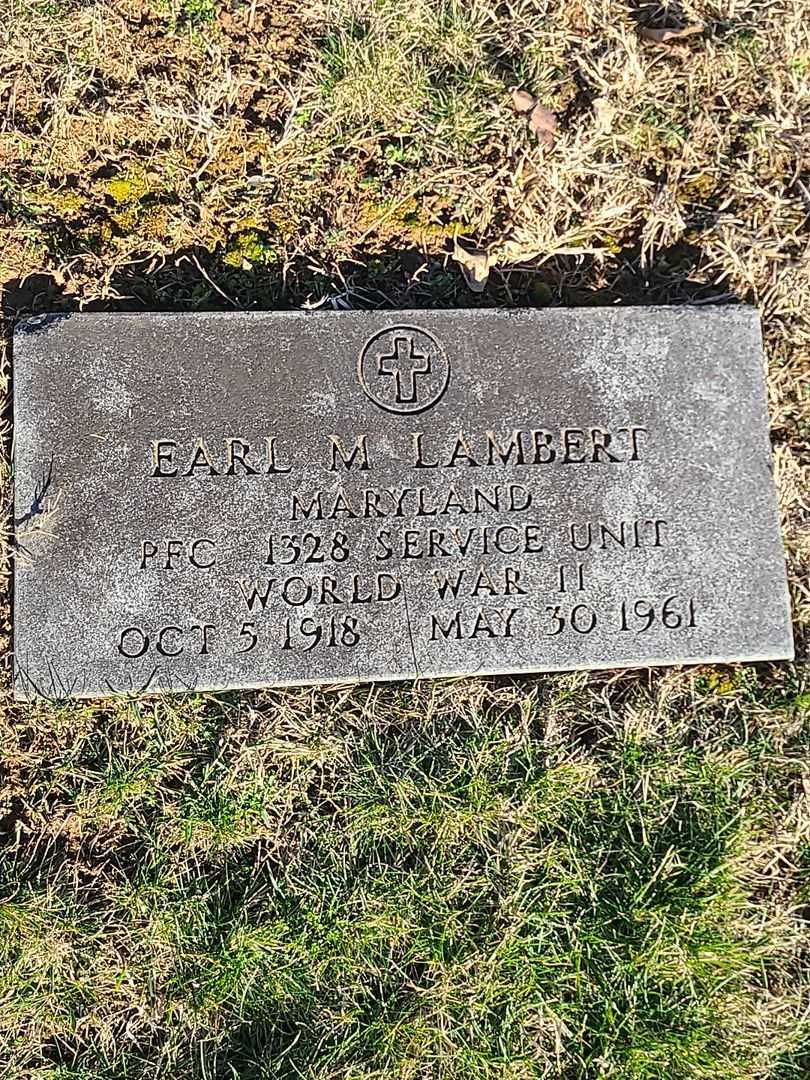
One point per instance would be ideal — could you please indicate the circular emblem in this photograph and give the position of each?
(403, 369)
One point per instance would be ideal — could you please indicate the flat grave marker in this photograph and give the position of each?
(208, 501)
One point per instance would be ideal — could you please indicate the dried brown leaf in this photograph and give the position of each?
(660, 36)
(543, 123)
(522, 100)
(474, 265)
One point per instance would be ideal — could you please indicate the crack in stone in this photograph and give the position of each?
(41, 489)
(410, 628)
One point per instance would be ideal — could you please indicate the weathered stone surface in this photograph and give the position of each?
(241, 500)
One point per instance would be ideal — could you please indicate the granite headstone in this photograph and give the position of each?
(209, 501)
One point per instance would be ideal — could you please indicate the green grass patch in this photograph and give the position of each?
(428, 886)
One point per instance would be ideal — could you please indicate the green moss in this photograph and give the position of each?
(612, 243)
(541, 293)
(728, 681)
(191, 12)
(64, 202)
(125, 219)
(199, 11)
(249, 248)
(128, 187)
(698, 188)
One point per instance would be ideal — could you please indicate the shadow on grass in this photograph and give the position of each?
(199, 279)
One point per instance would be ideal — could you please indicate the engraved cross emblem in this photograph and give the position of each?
(404, 365)
(403, 369)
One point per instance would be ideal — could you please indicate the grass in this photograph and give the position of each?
(574, 876)
(559, 878)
